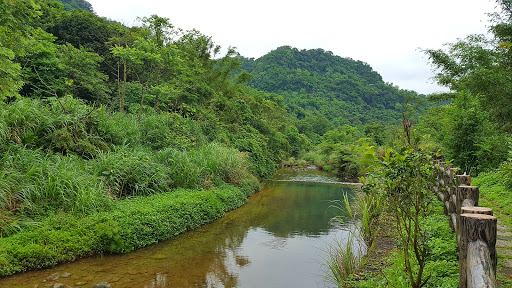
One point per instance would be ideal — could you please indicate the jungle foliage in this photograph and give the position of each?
(92, 112)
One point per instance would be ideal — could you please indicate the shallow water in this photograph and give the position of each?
(278, 239)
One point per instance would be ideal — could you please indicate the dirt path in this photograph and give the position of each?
(504, 250)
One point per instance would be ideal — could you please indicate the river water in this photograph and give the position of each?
(278, 239)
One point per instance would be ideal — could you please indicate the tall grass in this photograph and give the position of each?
(316, 158)
(365, 211)
(77, 158)
(207, 165)
(120, 129)
(343, 260)
(48, 125)
(130, 171)
(32, 182)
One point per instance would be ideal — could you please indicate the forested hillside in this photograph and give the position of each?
(76, 4)
(322, 91)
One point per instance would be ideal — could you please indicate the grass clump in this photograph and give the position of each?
(130, 172)
(343, 260)
(33, 183)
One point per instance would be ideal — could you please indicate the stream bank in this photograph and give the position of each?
(277, 239)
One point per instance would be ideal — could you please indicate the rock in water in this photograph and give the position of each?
(65, 275)
(53, 277)
(102, 285)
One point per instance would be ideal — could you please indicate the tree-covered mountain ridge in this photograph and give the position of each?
(317, 83)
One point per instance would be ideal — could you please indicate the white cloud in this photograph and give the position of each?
(384, 34)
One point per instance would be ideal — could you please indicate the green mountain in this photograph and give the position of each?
(323, 91)
(76, 5)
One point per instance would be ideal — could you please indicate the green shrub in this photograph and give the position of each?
(46, 124)
(262, 162)
(208, 165)
(163, 130)
(249, 185)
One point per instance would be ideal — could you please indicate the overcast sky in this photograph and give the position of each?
(388, 35)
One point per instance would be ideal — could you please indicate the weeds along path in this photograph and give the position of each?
(503, 243)
(377, 258)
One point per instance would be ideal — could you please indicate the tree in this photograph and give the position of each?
(83, 29)
(159, 30)
(477, 114)
(408, 177)
(58, 70)
(478, 65)
(15, 27)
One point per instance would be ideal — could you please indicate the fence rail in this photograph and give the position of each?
(475, 227)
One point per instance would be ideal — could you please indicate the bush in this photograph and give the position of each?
(120, 129)
(165, 130)
(45, 124)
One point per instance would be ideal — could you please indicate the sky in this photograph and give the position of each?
(388, 35)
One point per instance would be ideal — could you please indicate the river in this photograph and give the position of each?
(278, 239)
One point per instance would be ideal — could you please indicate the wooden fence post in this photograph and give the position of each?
(477, 251)
(467, 196)
(475, 227)
(476, 210)
(464, 179)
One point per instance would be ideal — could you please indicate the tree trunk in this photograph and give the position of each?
(141, 103)
(119, 83)
(121, 100)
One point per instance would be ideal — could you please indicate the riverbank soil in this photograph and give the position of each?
(503, 244)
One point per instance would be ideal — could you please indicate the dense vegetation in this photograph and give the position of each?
(111, 126)
(94, 113)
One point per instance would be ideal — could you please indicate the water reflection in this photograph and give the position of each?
(276, 240)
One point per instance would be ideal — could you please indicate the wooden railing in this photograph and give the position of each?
(475, 227)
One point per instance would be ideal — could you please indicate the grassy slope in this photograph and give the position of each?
(133, 223)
